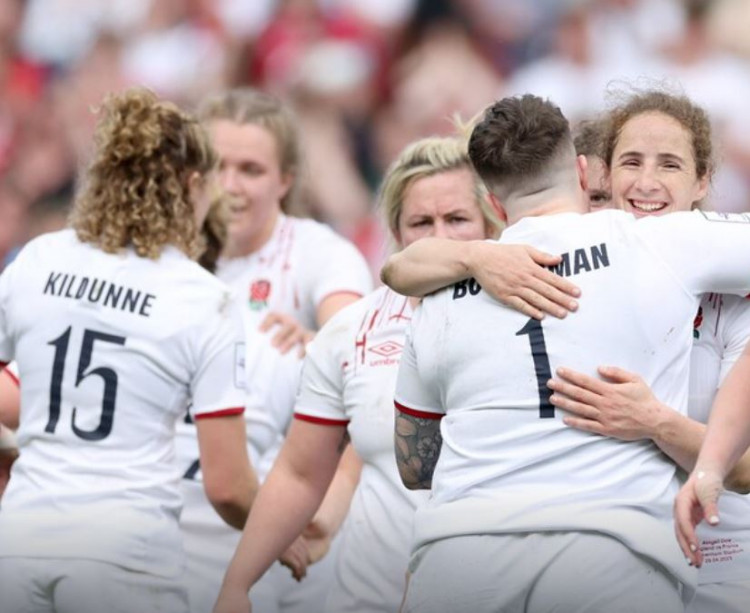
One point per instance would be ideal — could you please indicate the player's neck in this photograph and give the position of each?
(542, 207)
(239, 249)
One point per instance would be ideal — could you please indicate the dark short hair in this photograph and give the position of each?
(516, 139)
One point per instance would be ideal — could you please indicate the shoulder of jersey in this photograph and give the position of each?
(310, 230)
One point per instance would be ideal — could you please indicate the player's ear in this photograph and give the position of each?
(582, 165)
(498, 207)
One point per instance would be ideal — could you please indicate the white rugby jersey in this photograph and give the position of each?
(110, 349)
(721, 331)
(303, 262)
(508, 463)
(348, 377)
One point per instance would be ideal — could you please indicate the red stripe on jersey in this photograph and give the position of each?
(221, 413)
(415, 413)
(321, 421)
(10, 374)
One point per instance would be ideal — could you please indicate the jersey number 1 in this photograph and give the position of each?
(535, 332)
(108, 376)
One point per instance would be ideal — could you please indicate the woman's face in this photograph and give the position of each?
(653, 167)
(442, 205)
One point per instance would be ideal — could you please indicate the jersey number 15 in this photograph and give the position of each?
(108, 376)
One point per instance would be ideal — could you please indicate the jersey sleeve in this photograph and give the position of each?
(336, 266)
(218, 386)
(321, 392)
(735, 335)
(11, 371)
(413, 396)
(708, 251)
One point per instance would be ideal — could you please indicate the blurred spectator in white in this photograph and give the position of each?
(179, 50)
(719, 81)
(83, 88)
(729, 27)
(439, 72)
(631, 33)
(60, 32)
(575, 73)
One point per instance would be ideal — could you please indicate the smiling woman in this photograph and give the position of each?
(659, 153)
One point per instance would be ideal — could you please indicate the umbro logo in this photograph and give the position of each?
(387, 349)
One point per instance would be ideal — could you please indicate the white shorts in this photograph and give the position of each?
(61, 585)
(564, 572)
(728, 597)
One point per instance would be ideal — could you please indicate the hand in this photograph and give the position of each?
(623, 408)
(290, 332)
(232, 600)
(516, 276)
(318, 541)
(697, 500)
(296, 558)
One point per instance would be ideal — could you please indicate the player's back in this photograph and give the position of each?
(108, 349)
(488, 365)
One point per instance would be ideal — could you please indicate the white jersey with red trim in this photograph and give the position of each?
(721, 331)
(508, 462)
(303, 262)
(110, 350)
(348, 378)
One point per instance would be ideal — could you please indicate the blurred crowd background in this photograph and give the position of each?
(364, 76)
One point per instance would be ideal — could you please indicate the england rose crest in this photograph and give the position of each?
(259, 292)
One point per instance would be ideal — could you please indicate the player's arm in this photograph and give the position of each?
(229, 481)
(335, 506)
(285, 504)
(418, 442)
(10, 399)
(622, 406)
(333, 303)
(513, 274)
(725, 445)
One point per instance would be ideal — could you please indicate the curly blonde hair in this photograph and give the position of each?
(136, 188)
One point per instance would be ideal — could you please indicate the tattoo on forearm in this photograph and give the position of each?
(418, 442)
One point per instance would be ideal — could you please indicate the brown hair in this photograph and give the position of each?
(680, 108)
(516, 140)
(588, 137)
(214, 233)
(250, 106)
(136, 188)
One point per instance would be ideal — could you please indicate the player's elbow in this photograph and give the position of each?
(412, 480)
(231, 497)
(387, 273)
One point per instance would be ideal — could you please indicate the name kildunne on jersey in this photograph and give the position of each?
(95, 291)
(583, 260)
